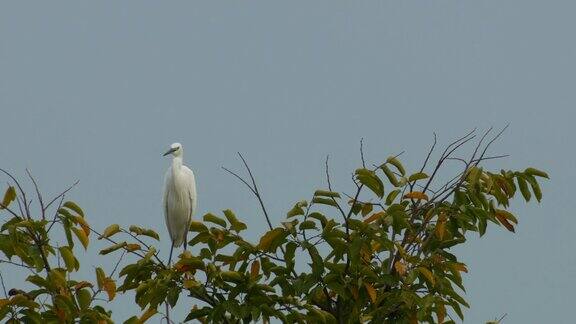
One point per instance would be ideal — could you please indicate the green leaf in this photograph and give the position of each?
(9, 196)
(391, 196)
(317, 263)
(324, 201)
(535, 187)
(428, 275)
(38, 281)
(69, 259)
(196, 226)
(71, 205)
(395, 162)
(109, 231)
(151, 233)
(536, 172)
(231, 276)
(370, 180)
(234, 222)
(320, 217)
(307, 224)
(100, 276)
(417, 176)
(198, 313)
(523, 185)
(390, 175)
(214, 219)
(84, 298)
(325, 193)
(297, 209)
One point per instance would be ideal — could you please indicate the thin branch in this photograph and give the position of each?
(429, 153)
(362, 152)
(62, 194)
(328, 174)
(38, 194)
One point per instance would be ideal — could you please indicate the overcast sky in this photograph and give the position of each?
(96, 91)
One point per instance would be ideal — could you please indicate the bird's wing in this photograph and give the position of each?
(191, 185)
(165, 196)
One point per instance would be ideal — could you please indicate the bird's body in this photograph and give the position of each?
(179, 201)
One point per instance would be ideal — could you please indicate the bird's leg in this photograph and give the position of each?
(170, 257)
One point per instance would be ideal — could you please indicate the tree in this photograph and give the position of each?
(381, 254)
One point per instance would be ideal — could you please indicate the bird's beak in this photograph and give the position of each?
(169, 151)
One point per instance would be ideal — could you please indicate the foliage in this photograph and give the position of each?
(381, 255)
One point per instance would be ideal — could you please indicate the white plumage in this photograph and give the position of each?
(179, 201)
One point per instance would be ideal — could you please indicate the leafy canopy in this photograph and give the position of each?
(380, 255)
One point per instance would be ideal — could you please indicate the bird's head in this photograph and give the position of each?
(175, 150)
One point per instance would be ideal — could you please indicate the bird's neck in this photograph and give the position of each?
(176, 163)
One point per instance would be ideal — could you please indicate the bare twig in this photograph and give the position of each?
(328, 173)
(429, 153)
(38, 194)
(253, 188)
(362, 152)
(62, 194)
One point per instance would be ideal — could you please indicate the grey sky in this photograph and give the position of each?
(96, 91)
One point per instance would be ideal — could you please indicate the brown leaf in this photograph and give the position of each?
(255, 269)
(147, 314)
(82, 284)
(371, 292)
(110, 287)
(400, 267)
(440, 312)
(416, 195)
(504, 221)
(374, 217)
(354, 292)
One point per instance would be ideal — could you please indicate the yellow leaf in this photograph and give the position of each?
(9, 197)
(440, 229)
(109, 231)
(400, 267)
(83, 224)
(82, 237)
(147, 314)
(191, 283)
(110, 287)
(132, 247)
(460, 267)
(374, 217)
(416, 195)
(4, 302)
(371, 292)
(427, 274)
(269, 237)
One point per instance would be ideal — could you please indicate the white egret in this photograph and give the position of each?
(179, 199)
